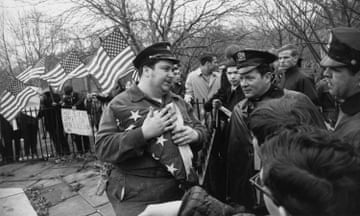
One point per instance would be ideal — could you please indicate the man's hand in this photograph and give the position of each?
(216, 103)
(162, 209)
(184, 135)
(188, 99)
(158, 122)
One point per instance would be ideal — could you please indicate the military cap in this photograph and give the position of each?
(343, 48)
(157, 51)
(248, 60)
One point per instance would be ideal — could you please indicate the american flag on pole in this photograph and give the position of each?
(14, 97)
(112, 61)
(33, 71)
(70, 64)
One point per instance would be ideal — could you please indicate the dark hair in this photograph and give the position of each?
(206, 57)
(290, 110)
(149, 63)
(230, 63)
(231, 50)
(68, 89)
(264, 68)
(311, 172)
(354, 69)
(291, 47)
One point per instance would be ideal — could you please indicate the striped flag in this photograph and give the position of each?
(14, 97)
(112, 61)
(33, 71)
(70, 64)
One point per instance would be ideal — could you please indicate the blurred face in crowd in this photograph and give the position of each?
(160, 77)
(233, 76)
(342, 83)
(286, 60)
(254, 84)
(177, 75)
(213, 65)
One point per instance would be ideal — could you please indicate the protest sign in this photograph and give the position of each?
(76, 122)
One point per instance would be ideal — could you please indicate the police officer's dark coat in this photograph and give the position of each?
(348, 125)
(240, 157)
(240, 163)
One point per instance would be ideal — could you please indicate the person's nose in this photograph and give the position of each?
(328, 73)
(243, 82)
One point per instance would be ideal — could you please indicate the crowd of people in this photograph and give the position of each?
(283, 145)
(33, 124)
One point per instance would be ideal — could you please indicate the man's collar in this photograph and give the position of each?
(137, 95)
(199, 72)
(291, 69)
(351, 106)
(272, 92)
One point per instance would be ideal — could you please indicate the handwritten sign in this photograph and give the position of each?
(76, 122)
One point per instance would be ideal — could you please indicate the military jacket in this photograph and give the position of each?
(120, 139)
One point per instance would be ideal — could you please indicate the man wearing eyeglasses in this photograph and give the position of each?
(342, 68)
(306, 171)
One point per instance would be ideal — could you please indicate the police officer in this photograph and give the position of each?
(141, 135)
(342, 64)
(258, 88)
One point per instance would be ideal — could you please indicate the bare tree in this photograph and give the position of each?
(305, 22)
(145, 22)
(4, 50)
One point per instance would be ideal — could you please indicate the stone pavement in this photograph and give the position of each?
(54, 188)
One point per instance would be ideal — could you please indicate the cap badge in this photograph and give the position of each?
(240, 56)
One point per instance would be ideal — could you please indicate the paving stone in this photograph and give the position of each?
(107, 210)
(67, 164)
(57, 193)
(16, 205)
(47, 182)
(29, 170)
(11, 167)
(88, 192)
(80, 176)
(18, 184)
(59, 172)
(5, 192)
(75, 206)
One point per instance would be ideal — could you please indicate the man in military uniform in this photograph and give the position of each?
(342, 64)
(146, 139)
(256, 83)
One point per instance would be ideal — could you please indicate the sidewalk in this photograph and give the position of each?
(54, 188)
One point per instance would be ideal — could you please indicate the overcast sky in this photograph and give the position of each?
(51, 7)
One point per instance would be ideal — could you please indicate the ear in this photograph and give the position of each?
(282, 211)
(146, 71)
(268, 76)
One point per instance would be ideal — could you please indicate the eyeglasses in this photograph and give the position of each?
(256, 181)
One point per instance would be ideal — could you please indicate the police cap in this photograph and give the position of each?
(157, 51)
(248, 60)
(343, 48)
